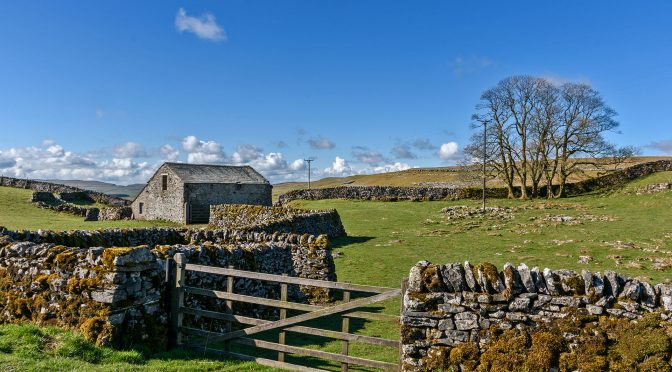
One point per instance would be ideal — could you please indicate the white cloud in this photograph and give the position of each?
(663, 146)
(202, 152)
(321, 143)
(169, 153)
(246, 153)
(297, 165)
(448, 151)
(52, 161)
(204, 26)
(396, 167)
(130, 150)
(367, 156)
(339, 166)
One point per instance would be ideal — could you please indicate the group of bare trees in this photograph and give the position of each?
(535, 133)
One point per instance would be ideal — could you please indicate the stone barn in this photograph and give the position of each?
(184, 192)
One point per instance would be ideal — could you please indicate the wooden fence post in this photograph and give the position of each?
(283, 315)
(229, 309)
(345, 344)
(177, 300)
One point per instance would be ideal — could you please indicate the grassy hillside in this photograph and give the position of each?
(17, 212)
(442, 176)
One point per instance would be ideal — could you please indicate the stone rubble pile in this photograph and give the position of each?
(446, 305)
(461, 212)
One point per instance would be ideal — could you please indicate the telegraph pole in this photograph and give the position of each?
(309, 160)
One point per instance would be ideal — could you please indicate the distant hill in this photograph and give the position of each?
(120, 191)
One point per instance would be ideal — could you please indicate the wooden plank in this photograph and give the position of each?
(340, 308)
(298, 329)
(297, 350)
(177, 298)
(263, 361)
(345, 328)
(251, 299)
(373, 316)
(283, 315)
(287, 279)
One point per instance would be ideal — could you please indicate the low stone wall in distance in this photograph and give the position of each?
(59, 189)
(48, 200)
(393, 193)
(276, 219)
(477, 317)
(117, 295)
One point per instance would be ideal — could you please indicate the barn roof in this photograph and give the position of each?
(205, 173)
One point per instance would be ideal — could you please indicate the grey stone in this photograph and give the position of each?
(450, 308)
(459, 336)
(566, 301)
(484, 299)
(526, 278)
(595, 310)
(570, 282)
(517, 317)
(648, 295)
(520, 304)
(512, 280)
(419, 322)
(665, 293)
(613, 283)
(551, 280)
(469, 277)
(415, 277)
(446, 324)
(538, 279)
(109, 296)
(631, 290)
(466, 324)
(453, 274)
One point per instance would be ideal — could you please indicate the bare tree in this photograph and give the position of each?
(584, 119)
(541, 132)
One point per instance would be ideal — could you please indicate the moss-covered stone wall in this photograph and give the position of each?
(117, 295)
(477, 317)
(278, 219)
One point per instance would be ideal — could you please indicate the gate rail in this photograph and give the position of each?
(285, 324)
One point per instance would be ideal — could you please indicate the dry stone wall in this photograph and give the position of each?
(48, 200)
(60, 189)
(276, 219)
(390, 193)
(118, 296)
(449, 308)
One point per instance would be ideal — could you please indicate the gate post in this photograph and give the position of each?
(283, 315)
(345, 328)
(177, 300)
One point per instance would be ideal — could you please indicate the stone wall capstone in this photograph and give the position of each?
(453, 305)
(276, 219)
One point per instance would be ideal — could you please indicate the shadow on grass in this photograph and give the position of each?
(345, 241)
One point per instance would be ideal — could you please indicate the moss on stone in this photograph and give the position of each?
(109, 254)
(465, 356)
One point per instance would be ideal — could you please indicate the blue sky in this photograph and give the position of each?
(107, 90)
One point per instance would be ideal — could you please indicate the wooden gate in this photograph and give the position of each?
(237, 332)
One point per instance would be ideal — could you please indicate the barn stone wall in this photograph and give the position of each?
(228, 193)
(159, 204)
(459, 316)
(117, 295)
(276, 219)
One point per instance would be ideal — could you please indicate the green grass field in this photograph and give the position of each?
(620, 231)
(17, 212)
